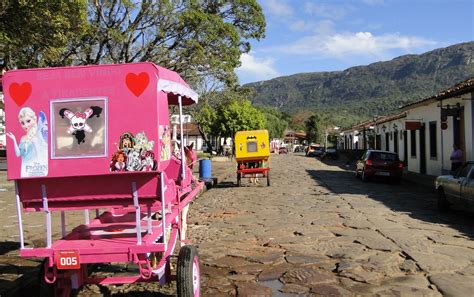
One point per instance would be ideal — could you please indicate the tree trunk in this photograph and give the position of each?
(206, 140)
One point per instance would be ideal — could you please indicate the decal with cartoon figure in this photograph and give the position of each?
(141, 142)
(127, 142)
(165, 137)
(135, 153)
(78, 121)
(119, 161)
(33, 146)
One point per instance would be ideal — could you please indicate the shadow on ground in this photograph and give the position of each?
(416, 201)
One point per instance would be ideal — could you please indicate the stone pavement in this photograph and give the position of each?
(319, 231)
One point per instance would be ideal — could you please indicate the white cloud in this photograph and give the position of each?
(278, 8)
(329, 11)
(259, 69)
(355, 44)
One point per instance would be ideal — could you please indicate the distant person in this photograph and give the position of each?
(456, 158)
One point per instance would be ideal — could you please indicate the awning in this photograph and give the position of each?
(171, 83)
(412, 125)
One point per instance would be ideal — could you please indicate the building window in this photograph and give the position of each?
(413, 142)
(433, 142)
(387, 142)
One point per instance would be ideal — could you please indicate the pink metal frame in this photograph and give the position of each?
(126, 232)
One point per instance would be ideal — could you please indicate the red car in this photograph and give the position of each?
(283, 150)
(379, 164)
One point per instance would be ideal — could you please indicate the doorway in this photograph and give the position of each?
(395, 141)
(422, 149)
(459, 133)
(405, 148)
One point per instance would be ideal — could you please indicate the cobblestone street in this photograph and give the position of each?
(319, 230)
(316, 231)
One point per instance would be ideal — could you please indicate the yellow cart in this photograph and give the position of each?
(252, 153)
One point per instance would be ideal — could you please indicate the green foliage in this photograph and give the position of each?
(276, 122)
(359, 93)
(38, 33)
(313, 129)
(239, 115)
(196, 38)
(206, 118)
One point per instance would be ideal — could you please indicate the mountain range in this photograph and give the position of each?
(364, 91)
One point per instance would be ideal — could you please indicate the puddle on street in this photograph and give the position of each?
(275, 285)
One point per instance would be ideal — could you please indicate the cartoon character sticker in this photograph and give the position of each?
(148, 161)
(33, 146)
(127, 141)
(134, 154)
(165, 137)
(142, 142)
(119, 161)
(78, 121)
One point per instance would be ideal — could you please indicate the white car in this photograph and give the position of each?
(457, 188)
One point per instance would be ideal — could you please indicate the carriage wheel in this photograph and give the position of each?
(188, 279)
(239, 179)
(268, 178)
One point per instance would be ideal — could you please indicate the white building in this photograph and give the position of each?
(429, 142)
(424, 132)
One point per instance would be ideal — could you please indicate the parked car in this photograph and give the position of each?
(315, 151)
(282, 150)
(330, 152)
(309, 150)
(457, 188)
(376, 163)
(298, 149)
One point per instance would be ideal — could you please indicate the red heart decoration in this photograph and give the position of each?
(137, 83)
(20, 93)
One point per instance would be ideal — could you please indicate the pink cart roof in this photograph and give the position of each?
(170, 82)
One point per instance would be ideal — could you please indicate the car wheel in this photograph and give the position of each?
(443, 204)
(365, 178)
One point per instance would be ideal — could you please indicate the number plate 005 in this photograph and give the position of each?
(68, 260)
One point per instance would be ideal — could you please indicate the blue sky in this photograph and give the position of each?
(313, 35)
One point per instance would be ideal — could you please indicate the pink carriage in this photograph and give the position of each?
(97, 138)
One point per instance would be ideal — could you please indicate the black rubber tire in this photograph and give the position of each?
(443, 204)
(364, 177)
(268, 178)
(184, 273)
(239, 180)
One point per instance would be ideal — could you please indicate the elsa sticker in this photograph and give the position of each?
(33, 146)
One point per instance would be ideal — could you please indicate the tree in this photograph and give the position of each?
(37, 33)
(276, 123)
(313, 129)
(239, 115)
(196, 38)
(206, 120)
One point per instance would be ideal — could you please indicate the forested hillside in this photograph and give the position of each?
(376, 89)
